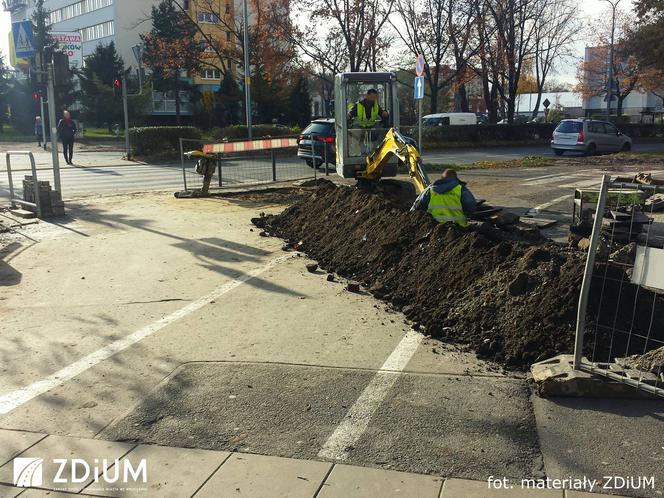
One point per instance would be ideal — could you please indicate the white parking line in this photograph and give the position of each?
(358, 417)
(14, 399)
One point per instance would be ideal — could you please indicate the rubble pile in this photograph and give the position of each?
(510, 294)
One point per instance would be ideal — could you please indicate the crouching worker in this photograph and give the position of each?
(447, 200)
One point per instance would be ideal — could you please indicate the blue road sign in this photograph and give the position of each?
(22, 33)
(418, 87)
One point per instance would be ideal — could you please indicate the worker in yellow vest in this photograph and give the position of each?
(363, 117)
(448, 200)
(366, 112)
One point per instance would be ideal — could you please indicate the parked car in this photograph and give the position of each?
(449, 119)
(589, 137)
(321, 134)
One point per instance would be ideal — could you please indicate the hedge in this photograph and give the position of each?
(258, 131)
(442, 135)
(160, 139)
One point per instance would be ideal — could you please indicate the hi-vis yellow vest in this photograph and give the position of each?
(447, 207)
(361, 119)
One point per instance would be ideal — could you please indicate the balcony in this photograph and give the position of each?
(13, 6)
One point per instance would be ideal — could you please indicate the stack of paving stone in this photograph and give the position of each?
(51, 200)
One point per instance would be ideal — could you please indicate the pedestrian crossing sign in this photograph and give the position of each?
(22, 32)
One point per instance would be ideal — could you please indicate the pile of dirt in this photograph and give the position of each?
(511, 295)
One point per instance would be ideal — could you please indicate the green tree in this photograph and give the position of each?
(230, 98)
(299, 103)
(41, 38)
(100, 105)
(268, 98)
(4, 90)
(646, 39)
(23, 108)
(171, 48)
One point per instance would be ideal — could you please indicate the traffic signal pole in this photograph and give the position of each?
(126, 118)
(50, 99)
(43, 120)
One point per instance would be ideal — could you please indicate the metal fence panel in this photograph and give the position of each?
(620, 329)
(246, 168)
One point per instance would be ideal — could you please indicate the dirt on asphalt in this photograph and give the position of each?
(510, 294)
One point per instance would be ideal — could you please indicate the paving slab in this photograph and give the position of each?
(277, 410)
(454, 426)
(62, 447)
(9, 492)
(457, 488)
(46, 493)
(259, 476)
(346, 481)
(603, 437)
(14, 442)
(172, 472)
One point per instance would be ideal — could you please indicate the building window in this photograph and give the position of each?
(78, 9)
(211, 74)
(98, 31)
(208, 17)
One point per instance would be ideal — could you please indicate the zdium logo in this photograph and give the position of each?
(28, 472)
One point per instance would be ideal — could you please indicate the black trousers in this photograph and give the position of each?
(68, 150)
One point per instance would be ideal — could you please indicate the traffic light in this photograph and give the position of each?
(117, 87)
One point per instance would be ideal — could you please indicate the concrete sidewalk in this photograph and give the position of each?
(184, 472)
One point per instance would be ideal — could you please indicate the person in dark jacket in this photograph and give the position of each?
(447, 200)
(67, 132)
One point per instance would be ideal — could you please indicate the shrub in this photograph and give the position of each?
(160, 139)
(443, 135)
(237, 132)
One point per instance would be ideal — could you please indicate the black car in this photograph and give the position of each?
(316, 142)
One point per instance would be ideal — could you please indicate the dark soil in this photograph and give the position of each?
(511, 295)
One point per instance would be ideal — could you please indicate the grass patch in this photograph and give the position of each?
(523, 162)
(9, 134)
(91, 132)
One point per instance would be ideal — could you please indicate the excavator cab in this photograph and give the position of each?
(356, 140)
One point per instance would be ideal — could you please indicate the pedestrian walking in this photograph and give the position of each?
(66, 132)
(39, 130)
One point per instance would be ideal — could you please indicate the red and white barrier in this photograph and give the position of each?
(247, 145)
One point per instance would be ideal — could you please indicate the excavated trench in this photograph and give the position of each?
(510, 294)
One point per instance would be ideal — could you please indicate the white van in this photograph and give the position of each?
(449, 118)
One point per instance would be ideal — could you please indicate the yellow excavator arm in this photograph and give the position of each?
(395, 144)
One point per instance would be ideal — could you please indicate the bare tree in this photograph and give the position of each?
(555, 30)
(440, 30)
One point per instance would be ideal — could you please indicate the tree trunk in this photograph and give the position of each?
(619, 108)
(177, 101)
(537, 103)
(462, 98)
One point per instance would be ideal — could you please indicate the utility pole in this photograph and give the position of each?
(609, 89)
(247, 71)
(50, 99)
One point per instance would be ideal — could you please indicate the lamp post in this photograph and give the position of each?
(609, 78)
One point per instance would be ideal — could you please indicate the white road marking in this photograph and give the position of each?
(543, 180)
(14, 399)
(550, 203)
(595, 182)
(358, 417)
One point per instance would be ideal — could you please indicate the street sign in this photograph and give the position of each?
(546, 103)
(418, 87)
(22, 32)
(419, 65)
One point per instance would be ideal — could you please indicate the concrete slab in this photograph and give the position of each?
(456, 488)
(277, 410)
(65, 447)
(346, 481)
(453, 426)
(259, 476)
(44, 493)
(603, 437)
(9, 492)
(172, 472)
(14, 442)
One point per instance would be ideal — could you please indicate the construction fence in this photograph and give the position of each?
(620, 326)
(247, 162)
